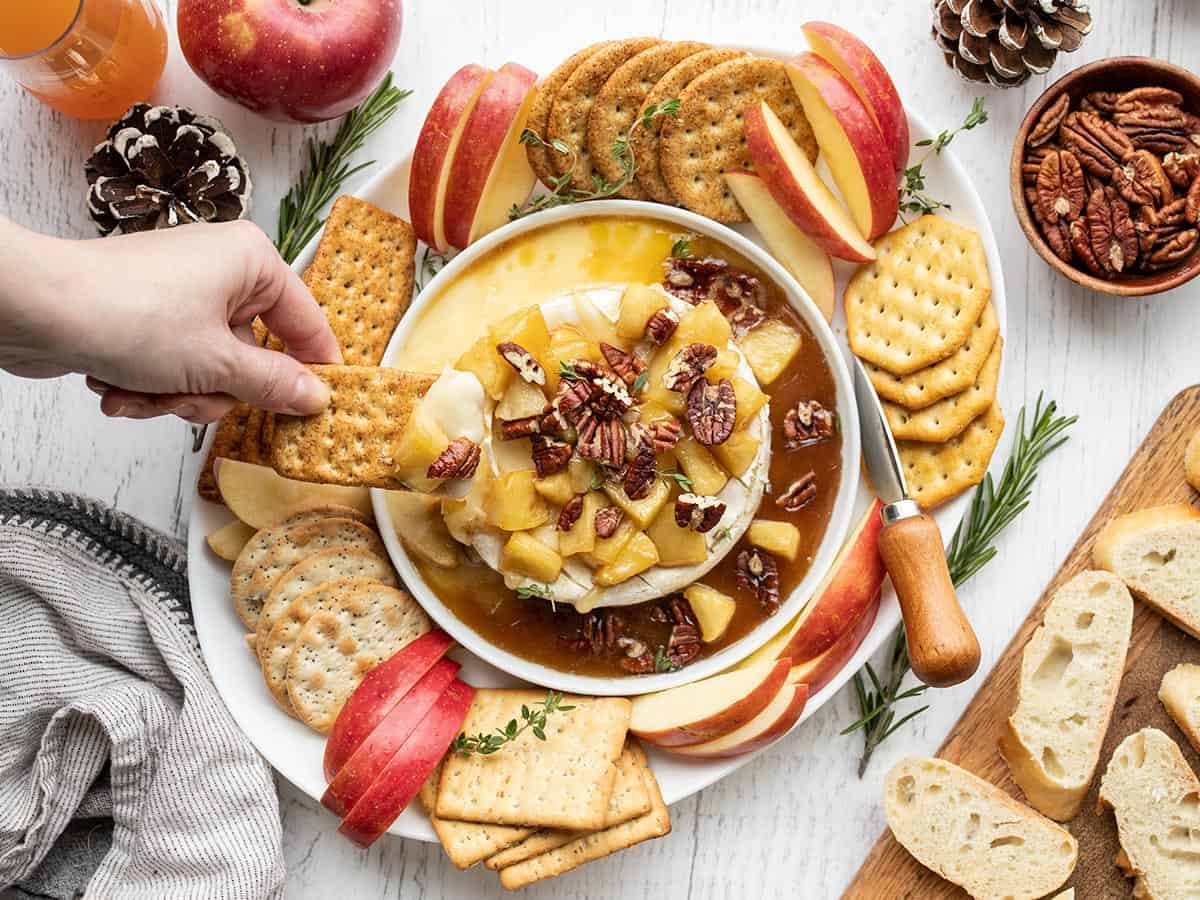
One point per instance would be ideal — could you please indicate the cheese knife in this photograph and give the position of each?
(942, 647)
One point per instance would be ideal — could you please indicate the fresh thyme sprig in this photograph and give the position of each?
(639, 383)
(993, 508)
(527, 591)
(662, 662)
(913, 198)
(562, 190)
(532, 719)
(682, 248)
(566, 371)
(329, 168)
(679, 478)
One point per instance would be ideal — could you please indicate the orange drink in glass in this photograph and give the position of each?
(91, 59)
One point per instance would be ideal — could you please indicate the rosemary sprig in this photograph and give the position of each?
(431, 264)
(329, 168)
(993, 508)
(561, 188)
(532, 719)
(913, 198)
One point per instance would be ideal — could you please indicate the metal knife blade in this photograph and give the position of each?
(878, 447)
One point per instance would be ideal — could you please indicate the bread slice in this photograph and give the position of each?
(1180, 694)
(1068, 894)
(974, 834)
(1156, 551)
(1156, 798)
(1191, 460)
(1070, 673)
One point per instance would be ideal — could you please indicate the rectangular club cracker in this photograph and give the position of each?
(362, 276)
(597, 845)
(353, 442)
(466, 843)
(629, 799)
(562, 782)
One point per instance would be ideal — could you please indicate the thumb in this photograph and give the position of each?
(275, 382)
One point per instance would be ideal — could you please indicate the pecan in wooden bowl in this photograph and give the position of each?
(1105, 176)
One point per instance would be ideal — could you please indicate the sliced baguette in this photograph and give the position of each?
(973, 834)
(1156, 552)
(1068, 894)
(1156, 798)
(1180, 694)
(1191, 460)
(1070, 673)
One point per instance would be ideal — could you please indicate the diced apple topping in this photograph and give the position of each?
(524, 555)
(644, 510)
(556, 488)
(737, 452)
(704, 324)
(777, 538)
(676, 546)
(638, 555)
(638, 304)
(701, 469)
(514, 504)
(770, 348)
(713, 610)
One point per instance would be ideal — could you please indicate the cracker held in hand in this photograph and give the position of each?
(947, 418)
(539, 113)
(227, 444)
(362, 276)
(273, 551)
(917, 303)
(353, 442)
(466, 843)
(337, 648)
(561, 782)
(952, 375)
(620, 100)
(936, 473)
(708, 138)
(597, 845)
(629, 799)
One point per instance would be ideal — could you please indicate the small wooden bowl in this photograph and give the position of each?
(1120, 73)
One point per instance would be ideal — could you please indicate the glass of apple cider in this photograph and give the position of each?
(91, 59)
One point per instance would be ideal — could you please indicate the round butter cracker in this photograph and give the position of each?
(949, 416)
(936, 473)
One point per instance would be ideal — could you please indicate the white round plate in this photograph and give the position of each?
(296, 752)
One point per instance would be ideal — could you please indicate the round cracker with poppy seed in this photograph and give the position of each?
(620, 100)
(539, 112)
(645, 141)
(708, 138)
(573, 105)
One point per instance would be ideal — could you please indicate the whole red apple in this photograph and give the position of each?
(291, 60)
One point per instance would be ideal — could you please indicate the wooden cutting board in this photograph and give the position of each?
(1154, 476)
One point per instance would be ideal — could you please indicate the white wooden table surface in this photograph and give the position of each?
(797, 821)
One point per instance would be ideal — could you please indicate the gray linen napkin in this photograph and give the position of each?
(122, 773)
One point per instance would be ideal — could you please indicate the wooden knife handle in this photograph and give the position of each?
(942, 647)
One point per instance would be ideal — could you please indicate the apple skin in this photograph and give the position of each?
(819, 671)
(383, 689)
(850, 140)
(373, 754)
(772, 723)
(287, 61)
(434, 151)
(797, 187)
(401, 779)
(859, 65)
(493, 127)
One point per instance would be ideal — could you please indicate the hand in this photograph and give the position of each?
(160, 321)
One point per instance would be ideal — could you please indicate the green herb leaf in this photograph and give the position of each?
(528, 591)
(681, 249)
(532, 719)
(639, 383)
(679, 478)
(913, 199)
(598, 479)
(662, 662)
(431, 264)
(721, 534)
(566, 371)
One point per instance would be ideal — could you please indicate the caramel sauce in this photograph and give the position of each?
(622, 250)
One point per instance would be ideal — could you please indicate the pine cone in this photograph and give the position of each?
(162, 166)
(1006, 41)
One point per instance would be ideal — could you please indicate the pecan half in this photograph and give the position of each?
(1161, 129)
(1098, 144)
(550, 455)
(515, 429)
(687, 365)
(626, 366)
(636, 656)
(1059, 239)
(1081, 243)
(799, 494)
(1104, 102)
(711, 411)
(1060, 189)
(1192, 204)
(663, 434)
(1047, 124)
(601, 441)
(1142, 181)
(570, 402)
(1111, 231)
(1182, 168)
(808, 423)
(698, 512)
(746, 320)
(570, 513)
(1145, 96)
(522, 360)
(697, 280)
(758, 573)
(661, 326)
(640, 473)
(460, 459)
(1173, 251)
(683, 645)
(608, 520)
(610, 398)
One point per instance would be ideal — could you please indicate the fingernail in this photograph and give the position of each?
(310, 396)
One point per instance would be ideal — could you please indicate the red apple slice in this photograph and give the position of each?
(490, 173)
(853, 582)
(769, 725)
(859, 65)
(708, 708)
(850, 142)
(795, 250)
(819, 671)
(373, 754)
(373, 700)
(397, 785)
(797, 187)
(435, 149)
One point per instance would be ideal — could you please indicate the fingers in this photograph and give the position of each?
(199, 409)
(275, 382)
